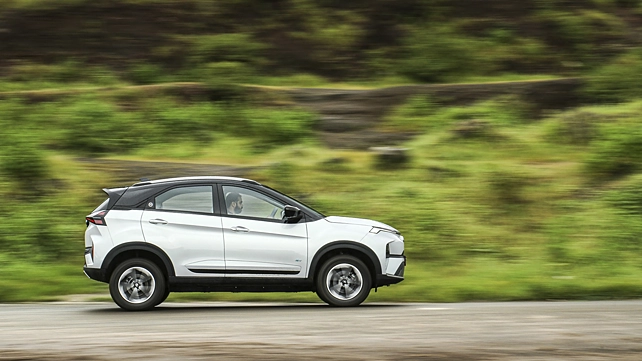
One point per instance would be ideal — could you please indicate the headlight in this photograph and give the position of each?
(376, 230)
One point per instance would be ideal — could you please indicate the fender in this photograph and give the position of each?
(137, 246)
(345, 245)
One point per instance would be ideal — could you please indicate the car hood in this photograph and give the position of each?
(359, 221)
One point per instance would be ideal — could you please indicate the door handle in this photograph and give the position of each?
(240, 229)
(157, 221)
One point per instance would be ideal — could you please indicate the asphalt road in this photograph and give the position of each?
(240, 331)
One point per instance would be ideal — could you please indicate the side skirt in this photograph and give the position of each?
(234, 284)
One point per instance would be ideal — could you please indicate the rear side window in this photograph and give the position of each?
(197, 199)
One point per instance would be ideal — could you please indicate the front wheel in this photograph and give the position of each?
(343, 280)
(137, 285)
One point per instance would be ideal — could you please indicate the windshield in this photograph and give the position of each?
(295, 202)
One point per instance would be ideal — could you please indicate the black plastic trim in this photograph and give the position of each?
(344, 245)
(384, 280)
(135, 246)
(239, 284)
(94, 273)
(400, 270)
(114, 195)
(184, 212)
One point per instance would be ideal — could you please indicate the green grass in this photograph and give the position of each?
(35, 280)
(510, 215)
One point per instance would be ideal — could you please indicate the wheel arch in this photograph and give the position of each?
(359, 250)
(137, 250)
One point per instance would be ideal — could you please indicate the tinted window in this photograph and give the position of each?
(187, 199)
(248, 203)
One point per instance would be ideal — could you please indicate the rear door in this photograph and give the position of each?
(182, 222)
(257, 242)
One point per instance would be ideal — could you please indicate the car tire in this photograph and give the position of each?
(343, 281)
(137, 285)
(165, 295)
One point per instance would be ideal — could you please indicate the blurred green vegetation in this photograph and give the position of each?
(241, 41)
(500, 200)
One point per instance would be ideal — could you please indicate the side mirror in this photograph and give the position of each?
(291, 214)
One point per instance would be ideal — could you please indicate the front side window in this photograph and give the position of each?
(248, 203)
(187, 199)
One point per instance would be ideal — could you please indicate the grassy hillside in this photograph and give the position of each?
(494, 205)
(501, 199)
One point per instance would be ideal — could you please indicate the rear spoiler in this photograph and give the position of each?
(114, 195)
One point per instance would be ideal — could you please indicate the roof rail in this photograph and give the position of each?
(178, 179)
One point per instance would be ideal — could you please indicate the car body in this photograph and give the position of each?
(212, 234)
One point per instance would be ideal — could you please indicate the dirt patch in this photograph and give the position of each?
(348, 118)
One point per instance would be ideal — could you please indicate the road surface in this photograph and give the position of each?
(608, 330)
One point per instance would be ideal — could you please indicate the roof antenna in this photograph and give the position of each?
(144, 179)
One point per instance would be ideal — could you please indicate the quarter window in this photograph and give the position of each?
(187, 199)
(248, 203)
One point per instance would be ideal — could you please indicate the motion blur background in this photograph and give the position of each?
(521, 176)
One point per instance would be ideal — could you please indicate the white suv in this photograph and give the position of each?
(212, 234)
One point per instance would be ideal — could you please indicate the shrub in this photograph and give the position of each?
(24, 234)
(431, 55)
(175, 121)
(576, 127)
(413, 115)
(91, 125)
(63, 72)
(233, 47)
(617, 81)
(627, 198)
(618, 153)
(504, 110)
(225, 77)
(582, 30)
(420, 113)
(507, 187)
(148, 74)
(70, 71)
(279, 126)
(22, 160)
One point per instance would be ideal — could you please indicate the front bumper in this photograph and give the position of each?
(394, 271)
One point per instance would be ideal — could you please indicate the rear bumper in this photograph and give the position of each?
(94, 274)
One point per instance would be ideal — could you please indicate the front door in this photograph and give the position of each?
(257, 242)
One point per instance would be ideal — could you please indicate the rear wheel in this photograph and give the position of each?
(137, 285)
(343, 280)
